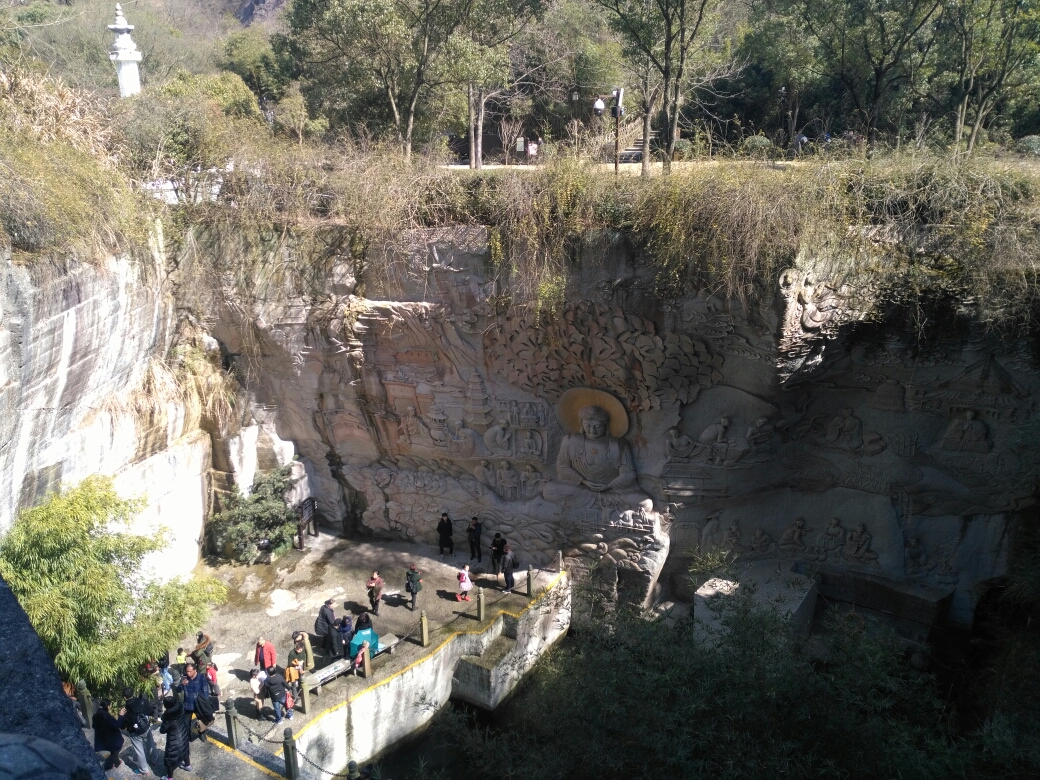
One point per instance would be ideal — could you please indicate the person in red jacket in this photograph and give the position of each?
(264, 655)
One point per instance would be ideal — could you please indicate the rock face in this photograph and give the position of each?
(796, 431)
(75, 344)
(615, 429)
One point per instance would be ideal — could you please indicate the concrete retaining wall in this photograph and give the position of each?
(481, 667)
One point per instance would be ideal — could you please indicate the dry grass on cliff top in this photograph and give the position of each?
(900, 222)
(62, 191)
(910, 223)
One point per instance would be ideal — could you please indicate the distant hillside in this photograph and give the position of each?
(250, 11)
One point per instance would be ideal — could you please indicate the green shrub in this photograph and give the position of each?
(1028, 145)
(684, 149)
(757, 146)
(227, 90)
(78, 578)
(250, 528)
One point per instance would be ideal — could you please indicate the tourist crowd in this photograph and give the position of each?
(186, 692)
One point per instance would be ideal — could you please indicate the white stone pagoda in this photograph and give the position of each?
(125, 56)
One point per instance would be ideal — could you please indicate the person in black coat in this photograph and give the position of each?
(444, 531)
(473, 533)
(175, 727)
(325, 627)
(276, 690)
(106, 735)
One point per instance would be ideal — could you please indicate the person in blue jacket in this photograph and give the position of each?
(197, 700)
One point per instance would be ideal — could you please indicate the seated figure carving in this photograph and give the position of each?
(966, 435)
(594, 469)
(857, 546)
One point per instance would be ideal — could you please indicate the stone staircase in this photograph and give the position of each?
(634, 153)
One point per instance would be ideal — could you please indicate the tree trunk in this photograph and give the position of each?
(976, 127)
(472, 123)
(406, 143)
(958, 127)
(644, 168)
(671, 121)
(793, 109)
(479, 140)
(673, 128)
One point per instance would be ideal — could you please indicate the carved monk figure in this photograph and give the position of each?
(499, 438)
(712, 443)
(484, 474)
(732, 540)
(530, 482)
(532, 445)
(508, 481)
(761, 541)
(710, 532)
(857, 546)
(916, 557)
(845, 431)
(529, 416)
(679, 445)
(760, 434)
(791, 539)
(832, 537)
(593, 468)
(967, 435)
(410, 427)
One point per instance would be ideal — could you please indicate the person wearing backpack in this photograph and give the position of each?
(302, 637)
(413, 583)
(203, 652)
(197, 701)
(277, 692)
(134, 718)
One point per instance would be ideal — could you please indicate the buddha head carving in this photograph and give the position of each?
(594, 421)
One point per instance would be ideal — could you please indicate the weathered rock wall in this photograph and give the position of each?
(800, 429)
(75, 344)
(804, 428)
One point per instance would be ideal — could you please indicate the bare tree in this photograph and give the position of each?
(665, 33)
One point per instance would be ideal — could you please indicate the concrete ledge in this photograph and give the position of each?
(482, 666)
(34, 703)
(772, 582)
(912, 608)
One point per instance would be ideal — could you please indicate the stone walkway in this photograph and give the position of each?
(275, 600)
(209, 761)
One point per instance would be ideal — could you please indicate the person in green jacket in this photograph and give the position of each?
(413, 583)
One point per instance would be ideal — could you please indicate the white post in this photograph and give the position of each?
(125, 56)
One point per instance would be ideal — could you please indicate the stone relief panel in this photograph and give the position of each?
(595, 345)
(626, 426)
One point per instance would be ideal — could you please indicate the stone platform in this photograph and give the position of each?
(276, 600)
(353, 717)
(772, 582)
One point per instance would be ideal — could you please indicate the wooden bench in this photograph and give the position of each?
(314, 679)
